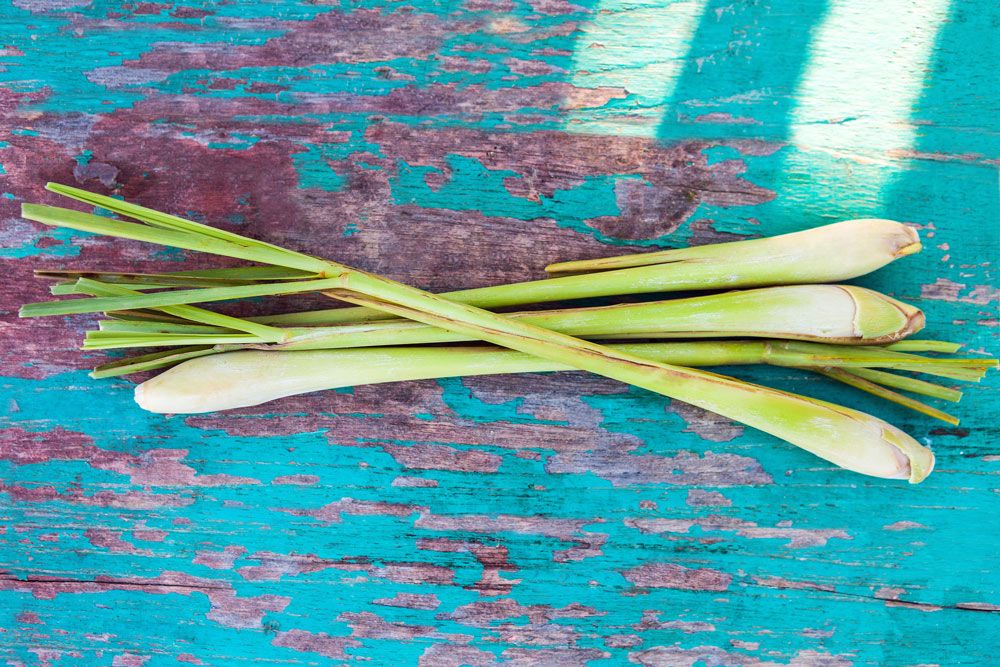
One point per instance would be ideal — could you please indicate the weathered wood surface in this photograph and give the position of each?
(537, 520)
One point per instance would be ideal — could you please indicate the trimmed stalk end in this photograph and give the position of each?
(28, 210)
(881, 319)
(892, 454)
(140, 398)
(163, 398)
(919, 460)
(900, 240)
(159, 395)
(911, 248)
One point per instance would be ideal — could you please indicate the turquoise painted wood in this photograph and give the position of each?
(552, 519)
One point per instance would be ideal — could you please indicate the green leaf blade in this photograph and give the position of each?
(87, 222)
(173, 298)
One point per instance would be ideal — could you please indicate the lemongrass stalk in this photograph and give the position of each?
(814, 425)
(827, 313)
(830, 253)
(895, 397)
(779, 352)
(846, 437)
(252, 377)
(844, 313)
(856, 248)
(789, 354)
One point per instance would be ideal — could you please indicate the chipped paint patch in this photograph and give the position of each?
(671, 575)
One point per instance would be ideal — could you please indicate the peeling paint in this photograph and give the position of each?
(545, 519)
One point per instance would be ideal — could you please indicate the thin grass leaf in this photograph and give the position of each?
(151, 361)
(961, 373)
(62, 289)
(145, 316)
(889, 395)
(924, 346)
(125, 326)
(237, 274)
(86, 222)
(173, 298)
(188, 313)
(109, 340)
(172, 222)
(970, 369)
(907, 384)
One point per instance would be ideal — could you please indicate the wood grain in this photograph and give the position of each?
(558, 519)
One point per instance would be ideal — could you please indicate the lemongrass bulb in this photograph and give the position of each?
(250, 377)
(229, 380)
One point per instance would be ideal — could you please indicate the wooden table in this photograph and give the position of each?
(554, 519)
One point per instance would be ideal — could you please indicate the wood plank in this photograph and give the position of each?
(556, 519)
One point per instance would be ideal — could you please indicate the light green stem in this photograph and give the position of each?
(828, 313)
(253, 377)
(829, 253)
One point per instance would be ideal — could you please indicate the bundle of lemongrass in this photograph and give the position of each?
(791, 317)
